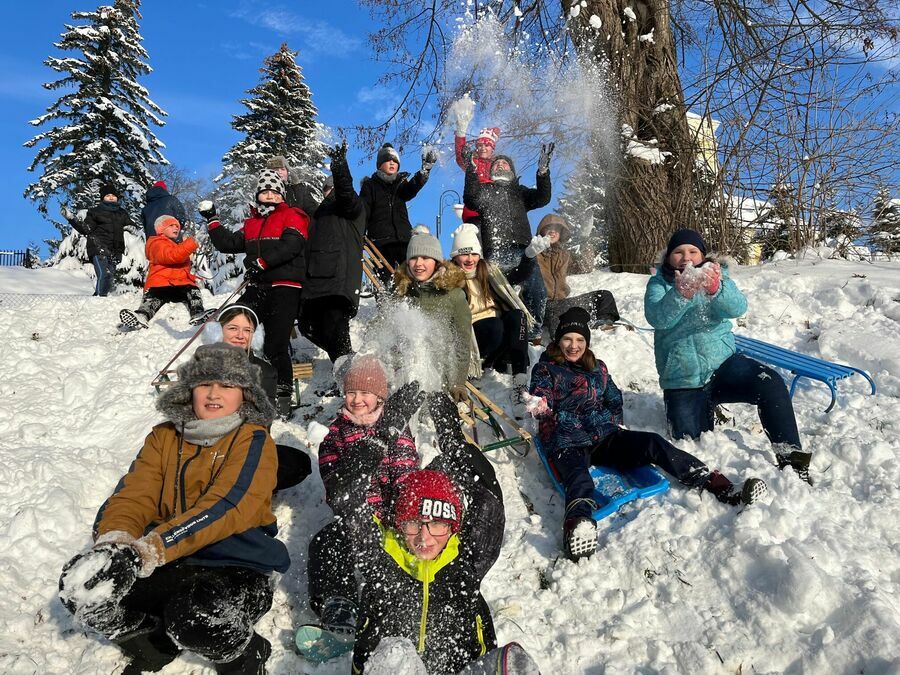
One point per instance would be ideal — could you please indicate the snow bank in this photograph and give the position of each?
(806, 581)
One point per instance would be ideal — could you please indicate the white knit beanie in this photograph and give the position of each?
(465, 240)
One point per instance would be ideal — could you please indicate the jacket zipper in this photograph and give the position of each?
(182, 495)
(423, 623)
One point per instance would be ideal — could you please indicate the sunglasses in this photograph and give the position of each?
(436, 528)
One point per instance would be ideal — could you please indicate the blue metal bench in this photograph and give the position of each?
(801, 365)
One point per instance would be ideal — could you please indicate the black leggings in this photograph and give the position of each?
(276, 307)
(504, 338)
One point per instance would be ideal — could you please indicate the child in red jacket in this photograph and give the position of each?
(169, 278)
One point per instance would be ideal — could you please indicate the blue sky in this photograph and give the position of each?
(205, 55)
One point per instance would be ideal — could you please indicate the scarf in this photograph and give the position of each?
(385, 177)
(265, 209)
(365, 420)
(503, 177)
(207, 432)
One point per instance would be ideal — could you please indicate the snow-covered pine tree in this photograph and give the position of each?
(885, 226)
(280, 120)
(583, 206)
(840, 227)
(101, 127)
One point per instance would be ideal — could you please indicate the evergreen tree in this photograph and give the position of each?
(886, 222)
(101, 126)
(780, 221)
(583, 205)
(280, 120)
(841, 228)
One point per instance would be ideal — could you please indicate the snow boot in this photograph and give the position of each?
(132, 321)
(517, 396)
(579, 538)
(510, 659)
(201, 317)
(149, 647)
(253, 660)
(727, 493)
(335, 636)
(283, 393)
(798, 461)
(339, 616)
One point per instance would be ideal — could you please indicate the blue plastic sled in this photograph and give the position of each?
(613, 488)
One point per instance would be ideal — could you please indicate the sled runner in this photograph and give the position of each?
(317, 644)
(484, 410)
(612, 488)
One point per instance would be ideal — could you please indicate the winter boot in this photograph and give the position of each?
(132, 321)
(727, 493)
(283, 394)
(579, 538)
(201, 317)
(517, 396)
(339, 616)
(149, 647)
(798, 461)
(252, 661)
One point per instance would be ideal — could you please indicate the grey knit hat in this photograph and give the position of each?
(425, 245)
(277, 162)
(269, 180)
(217, 363)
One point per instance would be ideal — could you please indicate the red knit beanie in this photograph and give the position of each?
(162, 184)
(427, 495)
(366, 374)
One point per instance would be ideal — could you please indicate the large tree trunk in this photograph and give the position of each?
(646, 202)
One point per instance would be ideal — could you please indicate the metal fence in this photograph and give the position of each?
(16, 259)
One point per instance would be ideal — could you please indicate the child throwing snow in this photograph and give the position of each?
(580, 424)
(690, 301)
(273, 240)
(169, 278)
(184, 548)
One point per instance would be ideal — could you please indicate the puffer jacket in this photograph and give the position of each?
(504, 208)
(104, 226)
(160, 203)
(443, 298)
(693, 337)
(584, 406)
(209, 505)
(387, 220)
(170, 262)
(278, 239)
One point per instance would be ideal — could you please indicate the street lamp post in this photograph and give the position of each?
(442, 204)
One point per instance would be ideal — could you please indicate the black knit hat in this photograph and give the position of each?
(385, 153)
(574, 320)
(109, 189)
(682, 237)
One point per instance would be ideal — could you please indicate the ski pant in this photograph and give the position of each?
(277, 308)
(599, 304)
(206, 610)
(503, 339)
(105, 269)
(326, 323)
(620, 450)
(154, 298)
(739, 379)
(534, 292)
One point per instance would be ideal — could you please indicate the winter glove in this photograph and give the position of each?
(459, 393)
(339, 152)
(254, 267)
(67, 213)
(537, 246)
(445, 416)
(535, 405)
(109, 568)
(400, 406)
(544, 160)
(713, 272)
(465, 111)
(429, 159)
(688, 283)
(207, 209)
(467, 152)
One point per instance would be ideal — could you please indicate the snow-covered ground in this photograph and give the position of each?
(805, 582)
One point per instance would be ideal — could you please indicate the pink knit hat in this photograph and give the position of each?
(366, 374)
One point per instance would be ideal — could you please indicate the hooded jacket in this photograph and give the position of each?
(443, 298)
(336, 238)
(504, 208)
(170, 262)
(104, 226)
(584, 406)
(387, 220)
(693, 337)
(160, 203)
(278, 239)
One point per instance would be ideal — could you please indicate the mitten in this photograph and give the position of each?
(535, 405)
(207, 209)
(445, 416)
(537, 246)
(459, 393)
(465, 111)
(544, 160)
(468, 150)
(115, 566)
(339, 152)
(67, 213)
(429, 158)
(253, 266)
(713, 272)
(399, 407)
(687, 285)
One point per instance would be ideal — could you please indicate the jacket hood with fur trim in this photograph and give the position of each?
(446, 277)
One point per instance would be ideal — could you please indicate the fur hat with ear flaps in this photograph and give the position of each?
(217, 363)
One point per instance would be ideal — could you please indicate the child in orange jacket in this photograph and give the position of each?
(169, 278)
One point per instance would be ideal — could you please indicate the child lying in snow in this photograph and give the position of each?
(184, 548)
(579, 409)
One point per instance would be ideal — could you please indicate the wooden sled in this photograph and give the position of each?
(507, 431)
(374, 263)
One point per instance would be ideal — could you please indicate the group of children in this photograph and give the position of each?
(184, 549)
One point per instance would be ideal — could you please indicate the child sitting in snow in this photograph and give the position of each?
(365, 390)
(579, 409)
(690, 301)
(184, 548)
(169, 278)
(419, 571)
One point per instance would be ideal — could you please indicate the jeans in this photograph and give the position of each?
(622, 450)
(738, 380)
(105, 269)
(534, 293)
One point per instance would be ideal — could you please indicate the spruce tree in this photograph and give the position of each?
(280, 120)
(583, 205)
(100, 126)
(885, 228)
